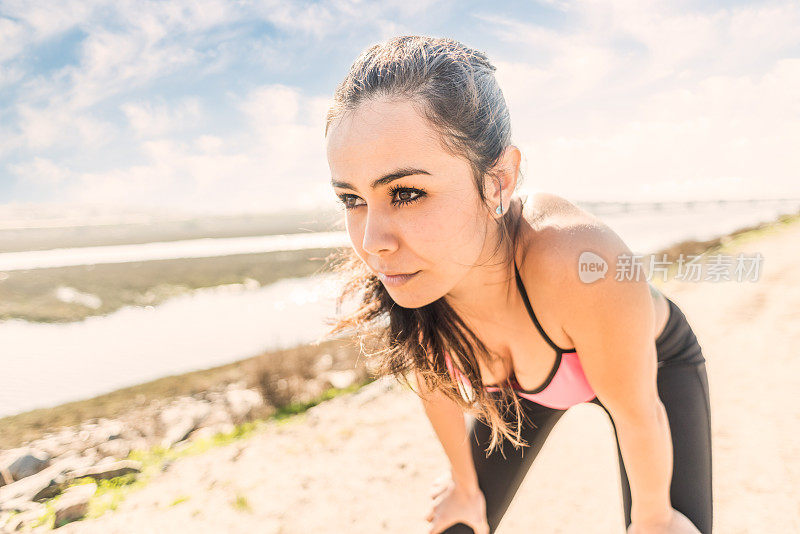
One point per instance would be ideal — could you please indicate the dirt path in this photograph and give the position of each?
(364, 463)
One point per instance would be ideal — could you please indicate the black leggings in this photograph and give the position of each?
(683, 389)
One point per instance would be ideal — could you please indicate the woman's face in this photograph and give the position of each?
(411, 206)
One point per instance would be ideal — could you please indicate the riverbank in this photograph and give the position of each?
(83, 470)
(294, 365)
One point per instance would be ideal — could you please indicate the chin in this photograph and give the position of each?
(409, 300)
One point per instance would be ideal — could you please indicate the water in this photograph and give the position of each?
(168, 250)
(646, 233)
(48, 364)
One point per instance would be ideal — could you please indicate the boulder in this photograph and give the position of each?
(21, 462)
(340, 379)
(242, 402)
(179, 419)
(93, 434)
(118, 448)
(44, 484)
(324, 363)
(20, 521)
(57, 443)
(212, 430)
(20, 504)
(73, 503)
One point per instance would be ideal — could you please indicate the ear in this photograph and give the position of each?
(502, 178)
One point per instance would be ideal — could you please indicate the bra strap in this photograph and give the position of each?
(527, 302)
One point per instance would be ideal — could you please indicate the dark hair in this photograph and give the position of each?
(455, 89)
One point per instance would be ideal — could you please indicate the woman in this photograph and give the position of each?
(419, 147)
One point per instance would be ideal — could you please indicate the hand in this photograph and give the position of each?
(678, 524)
(454, 504)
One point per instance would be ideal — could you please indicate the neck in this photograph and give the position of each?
(486, 292)
(489, 290)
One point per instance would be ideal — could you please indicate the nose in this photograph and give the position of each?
(380, 236)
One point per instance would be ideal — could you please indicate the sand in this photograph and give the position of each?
(364, 463)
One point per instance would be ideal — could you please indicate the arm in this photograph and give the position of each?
(611, 323)
(447, 420)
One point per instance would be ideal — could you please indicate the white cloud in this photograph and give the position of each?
(697, 108)
(278, 160)
(153, 119)
(316, 19)
(10, 74)
(41, 171)
(629, 98)
(60, 126)
(11, 38)
(272, 105)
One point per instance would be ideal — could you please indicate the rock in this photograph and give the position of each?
(74, 503)
(4, 518)
(118, 448)
(57, 444)
(213, 430)
(21, 504)
(241, 403)
(146, 426)
(22, 462)
(177, 431)
(93, 434)
(44, 484)
(23, 520)
(218, 416)
(92, 455)
(106, 470)
(340, 379)
(181, 418)
(312, 389)
(324, 363)
(138, 444)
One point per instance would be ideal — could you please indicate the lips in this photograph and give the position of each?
(396, 279)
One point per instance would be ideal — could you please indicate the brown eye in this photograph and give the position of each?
(406, 195)
(348, 201)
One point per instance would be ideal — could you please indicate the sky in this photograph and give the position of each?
(218, 106)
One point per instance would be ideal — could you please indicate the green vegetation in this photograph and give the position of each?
(732, 241)
(110, 493)
(180, 499)
(725, 245)
(241, 503)
(259, 371)
(31, 294)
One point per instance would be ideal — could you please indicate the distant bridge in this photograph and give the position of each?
(601, 207)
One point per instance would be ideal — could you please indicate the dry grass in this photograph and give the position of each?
(31, 294)
(291, 368)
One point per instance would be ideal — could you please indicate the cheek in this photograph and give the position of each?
(450, 232)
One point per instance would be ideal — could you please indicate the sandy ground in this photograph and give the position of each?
(364, 463)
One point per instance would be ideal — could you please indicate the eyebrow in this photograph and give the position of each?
(385, 179)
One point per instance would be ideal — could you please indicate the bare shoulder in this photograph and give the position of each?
(558, 233)
(558, 238)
